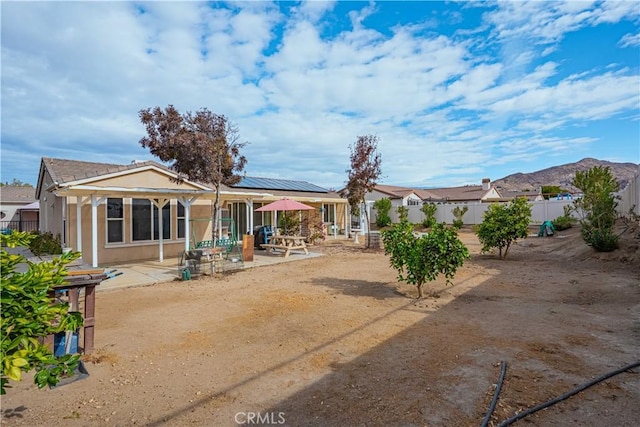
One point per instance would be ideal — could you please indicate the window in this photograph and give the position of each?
(327, 213)
(413, 202)
(181, 219)
(144, 220)
(115, 220)
(260, 218)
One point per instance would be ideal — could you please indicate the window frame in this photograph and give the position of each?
(109, 219)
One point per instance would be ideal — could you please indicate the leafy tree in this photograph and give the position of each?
(429, 210)
(597, 207)
(551, 191)
(504, 224)
(29, 315)
(458, 212)
(364, 173)
(382, 207)
(201, 146)
(421, 259)
(15, 183)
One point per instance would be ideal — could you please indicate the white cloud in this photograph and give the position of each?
(630, 40)
(441, 104)
(547, 22)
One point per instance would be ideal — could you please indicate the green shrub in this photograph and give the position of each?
(403, 213)
(563, 222)
(45, 244)
(429, 210)
(383, 207)
(458, 212)
(598, 207)
(603, 240)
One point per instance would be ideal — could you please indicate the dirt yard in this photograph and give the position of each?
(337, 341)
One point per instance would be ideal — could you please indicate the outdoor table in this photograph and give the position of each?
(286, 244)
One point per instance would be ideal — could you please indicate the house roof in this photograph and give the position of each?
(457, 194)
(11, 194)
(63, 170)
(78, 173)
(33, 206)
(453, 194)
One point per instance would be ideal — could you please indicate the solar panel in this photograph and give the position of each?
(278, 184)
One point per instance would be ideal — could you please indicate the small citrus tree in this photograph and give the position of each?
(28, 314)
(429, 210)
(422, 259)
(458, 212)
(403, 213)
(382, 207)
(503, 225)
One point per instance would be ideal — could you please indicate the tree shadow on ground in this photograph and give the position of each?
(360, 288)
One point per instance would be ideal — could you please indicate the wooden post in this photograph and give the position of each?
(89, 318)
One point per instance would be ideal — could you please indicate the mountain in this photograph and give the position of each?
(563, 175)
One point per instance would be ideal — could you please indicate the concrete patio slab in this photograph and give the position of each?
(146, 273)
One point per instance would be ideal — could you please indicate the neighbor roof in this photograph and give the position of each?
(401, 192)
(11, 194)
(457, 194)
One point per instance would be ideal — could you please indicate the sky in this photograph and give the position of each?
(455, 91)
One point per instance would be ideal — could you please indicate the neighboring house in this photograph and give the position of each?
(413, 198)
(115, 213)
(18, 208)
(468, 193)
(404, 196)
(400, 196)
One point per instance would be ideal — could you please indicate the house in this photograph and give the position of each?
(18, 208)
(414, 198)
(114, 213)
(400, 196)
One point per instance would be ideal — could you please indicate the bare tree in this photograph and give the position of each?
(364, 173)
(201, 146)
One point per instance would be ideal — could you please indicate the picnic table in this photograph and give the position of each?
(286, 244)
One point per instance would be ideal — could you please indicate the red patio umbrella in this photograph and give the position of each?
(284, 205)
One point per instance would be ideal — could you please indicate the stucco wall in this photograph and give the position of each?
(131, 250)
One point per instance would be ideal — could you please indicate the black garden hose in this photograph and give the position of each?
(492, 407)
(566, 395)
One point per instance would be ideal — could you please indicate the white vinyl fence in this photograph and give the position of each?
(630, 197)
(543, 210)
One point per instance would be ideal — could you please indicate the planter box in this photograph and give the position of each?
(78, 374)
